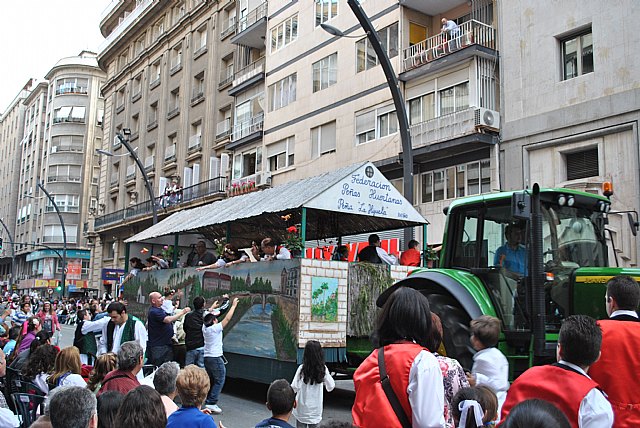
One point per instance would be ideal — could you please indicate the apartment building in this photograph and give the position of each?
(257, 92)
(169, 68)
(570, 104)
(62, 126)
(328, 103)
(11, 132)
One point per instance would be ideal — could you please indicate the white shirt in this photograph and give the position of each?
(595, 410)
(168, 307)
(386, 257)
(140, 334)
(309, 397)
(491, 368)
(427, 402)
(623, 312)
(8, 419)
(94, 326)
(212, 340)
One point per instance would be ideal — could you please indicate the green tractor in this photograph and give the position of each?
(559, 267)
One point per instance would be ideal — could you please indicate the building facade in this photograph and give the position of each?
(11, 133)
(570, 104)
(238, 94)
(62, 125)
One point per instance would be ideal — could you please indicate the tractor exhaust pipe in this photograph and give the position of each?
(536, 275)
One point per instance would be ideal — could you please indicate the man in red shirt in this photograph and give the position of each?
(124, 379)
(617, 369)
(411, 257)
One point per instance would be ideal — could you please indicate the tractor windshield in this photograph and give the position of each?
(572, 237)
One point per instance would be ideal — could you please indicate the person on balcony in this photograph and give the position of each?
(201, 257)
(452, 32)
(274, 252)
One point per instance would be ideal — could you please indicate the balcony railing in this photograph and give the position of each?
(252, 17)
(173, 112)
(201, 190)
(131, 172)
(226, 77)
(469, 33)
(443, 128)
(248, 127)
(248, 72)
(67, 148)
(63, 178)
(170, 153)
(197, 96)
(63, 208)
(224, 128)
(115, 177)
(149, 163)
(230, 29)
(194, 143)
(62, 90)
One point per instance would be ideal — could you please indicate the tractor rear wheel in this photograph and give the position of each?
(455, 326)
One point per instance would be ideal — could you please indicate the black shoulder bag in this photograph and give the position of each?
(389, 392)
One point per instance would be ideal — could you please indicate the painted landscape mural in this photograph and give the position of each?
(265, 323)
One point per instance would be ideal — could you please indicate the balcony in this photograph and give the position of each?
(173, 112)
(246, 131)
(226, 77)
(474, 38)
(149, 163)
(125, 23)
(152, 125)
(170, 154)
(204, 190)
(115, 178)
(195, 142)
(65, 148)
(68, 89)
(63, 179)
(197, 96)
(131, 172)
(248, 76)
(63, 208)
(432, 7)
(223, 129)
(229, 29)
(251, 28)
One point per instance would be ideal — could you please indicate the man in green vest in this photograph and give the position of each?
(121, 328)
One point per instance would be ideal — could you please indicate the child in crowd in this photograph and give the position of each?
(489, 403)
(307, 383)
(281, 400)
(490, 366)
(466, 410)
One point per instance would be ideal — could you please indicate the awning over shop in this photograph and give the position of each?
(350, 200)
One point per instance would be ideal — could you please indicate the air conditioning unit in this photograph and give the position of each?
(486, 118)
(263, 179)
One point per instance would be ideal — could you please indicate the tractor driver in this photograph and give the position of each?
(512, 256)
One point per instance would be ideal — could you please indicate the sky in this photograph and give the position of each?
(35, 34)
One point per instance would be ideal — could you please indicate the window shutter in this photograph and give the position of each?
(582, 164)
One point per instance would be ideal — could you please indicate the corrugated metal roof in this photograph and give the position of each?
(258, 213)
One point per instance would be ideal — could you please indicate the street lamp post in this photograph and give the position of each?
(13, 251)
(64, 237)
(398, 101)
(147, 183)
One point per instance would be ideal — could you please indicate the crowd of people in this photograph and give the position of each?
(405, 382)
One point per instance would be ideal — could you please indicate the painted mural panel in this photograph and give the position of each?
(324, 299)
(265, 323)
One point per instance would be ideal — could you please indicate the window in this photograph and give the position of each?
(280, 154)
(174, 102)
(179, 11)
(325, 72)
(154, 76)
(123, 59)
(577, 55)
(69, 114)
(200, 38)
(158, 29)
(326, 10)
(176, 57)
(120, 98)
(247, 163)
(72, 86)
(366, 57)
(53, 233)
(454, 99)
(64, 173)
(323, 139)
(153, 114)
(100, 117)
(198, 87)
(282, 93)
(140, 45)
(136, 89)
(582, 164)
(376, 123)
(65, 203)
(422, 109)
(456, 181)
(135, 123)
(284, 33)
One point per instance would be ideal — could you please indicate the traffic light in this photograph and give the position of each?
(58, 288)
(0, 243)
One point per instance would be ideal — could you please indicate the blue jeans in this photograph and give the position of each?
(195, 356)
(157, 355)
(217, 372)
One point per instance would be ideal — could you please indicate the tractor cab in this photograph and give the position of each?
(492, 237)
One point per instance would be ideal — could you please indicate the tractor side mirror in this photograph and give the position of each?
(521, 205)
(633, 223)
